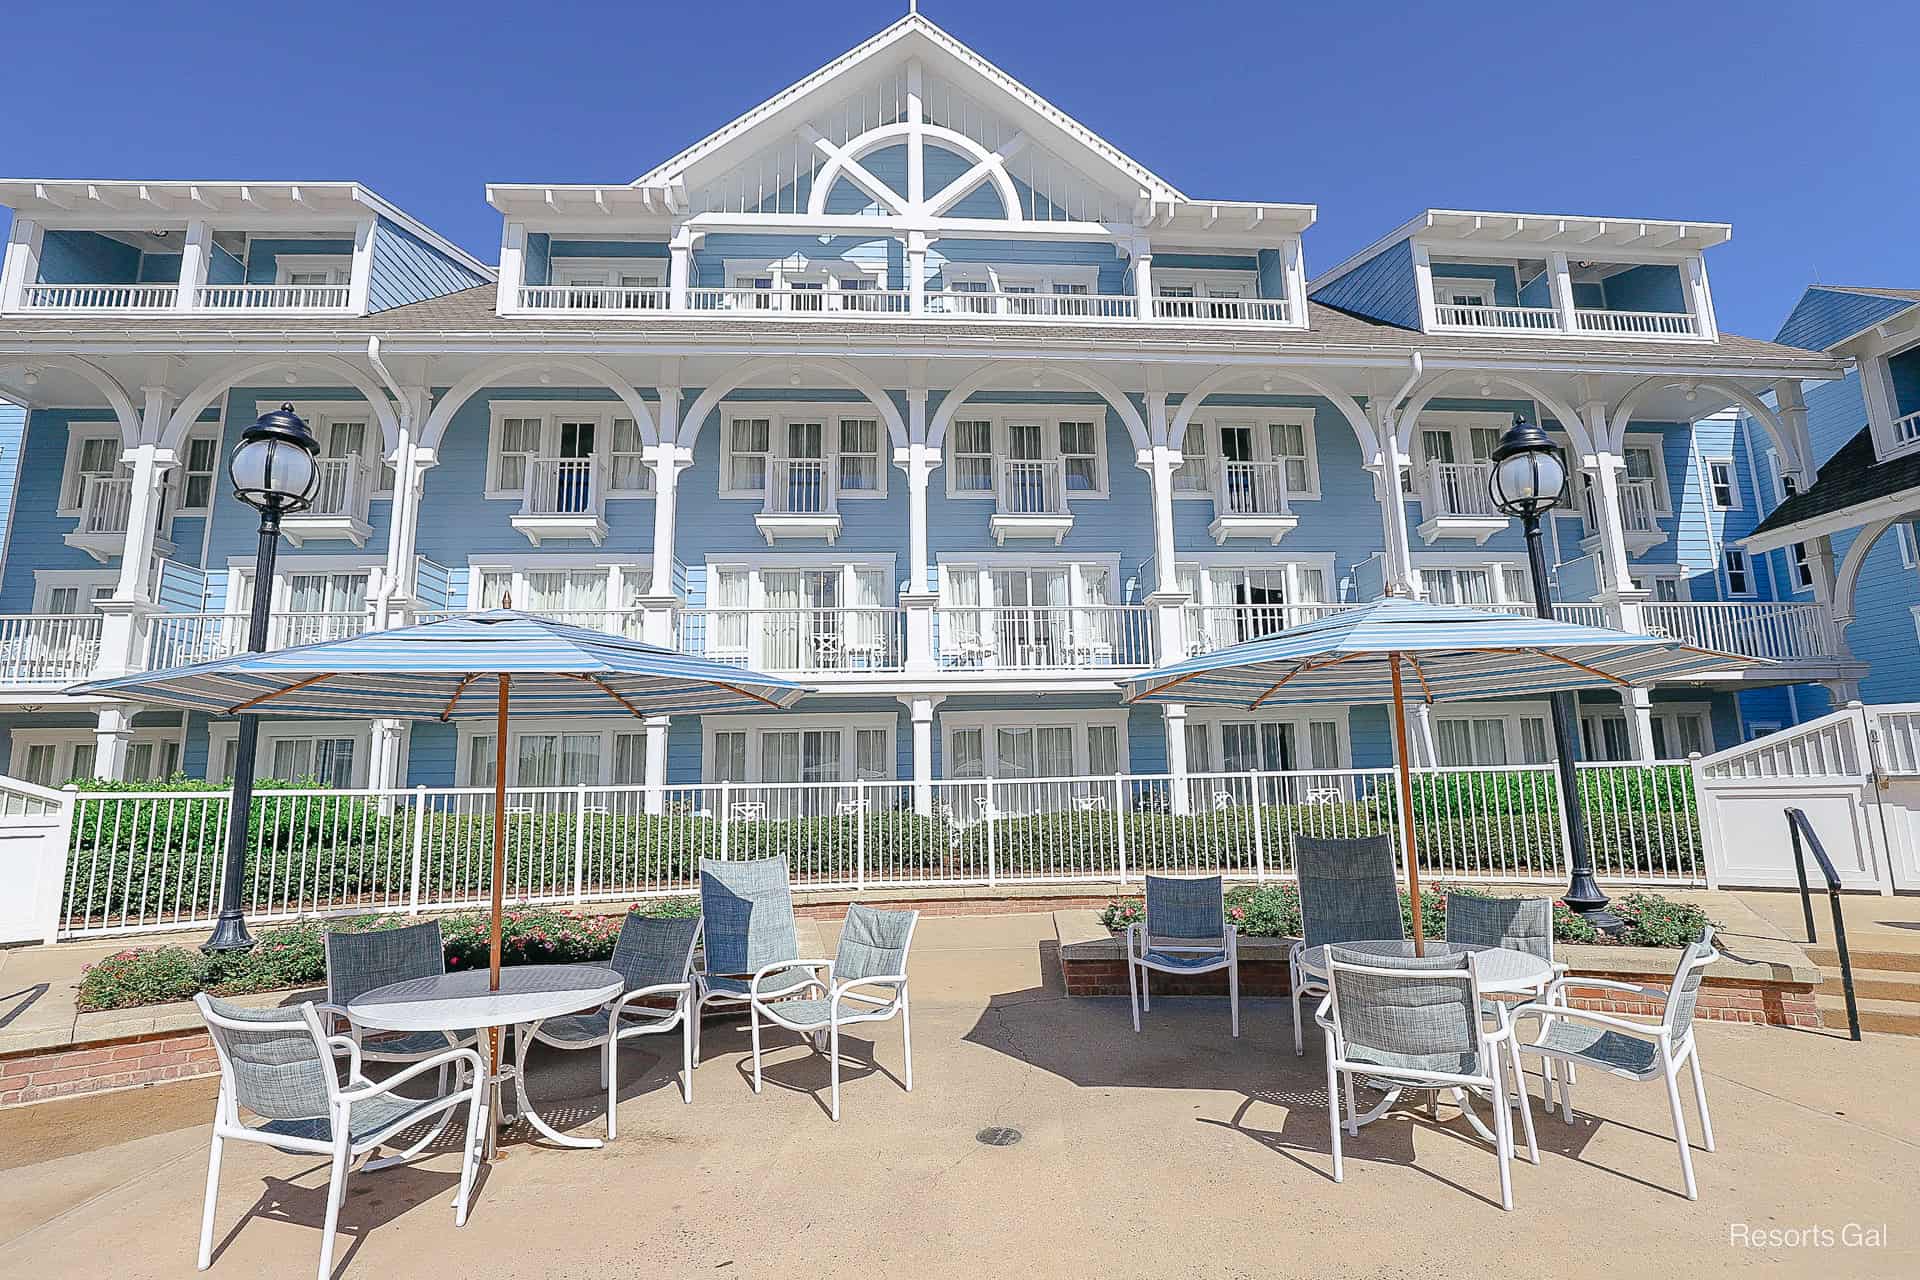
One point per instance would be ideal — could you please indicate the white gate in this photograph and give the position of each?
(34, 832)
(1854, 772)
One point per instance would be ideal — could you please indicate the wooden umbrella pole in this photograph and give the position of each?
(499, 856)
(1406, 807)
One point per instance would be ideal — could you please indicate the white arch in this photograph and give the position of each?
(1788, 448)
(124, 409)
(887, 134)
(207, 392)
(1221, 378)
(980, 379)
(1568, 419)
(875, 393)
(1847, 578)
(464, 390)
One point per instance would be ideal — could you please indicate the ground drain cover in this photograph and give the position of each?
(997, 1137)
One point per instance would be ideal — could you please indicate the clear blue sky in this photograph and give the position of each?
(1795, 122)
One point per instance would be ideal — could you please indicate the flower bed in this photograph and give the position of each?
(294, 955)
(1273, 911)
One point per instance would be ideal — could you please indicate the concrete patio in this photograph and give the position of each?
(1177, 1152)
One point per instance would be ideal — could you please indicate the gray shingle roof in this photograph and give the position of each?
(1849, 478)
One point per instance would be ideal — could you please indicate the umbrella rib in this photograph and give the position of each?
(1302, 670)
(1578, 666)
(1148, 693)
(745, 693)
(602, 685)
(454, 701)
(1426, 690)
(280, 693)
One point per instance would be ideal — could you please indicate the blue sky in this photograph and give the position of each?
(1796, 128)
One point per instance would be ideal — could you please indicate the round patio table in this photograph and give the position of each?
(528, 995)
(1501, 970)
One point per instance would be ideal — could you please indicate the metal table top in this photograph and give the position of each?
(1502, 969)
(458, 1001)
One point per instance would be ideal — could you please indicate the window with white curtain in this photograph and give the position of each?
(601, 596)
(1076, 443)
(1464, 740)
(1195, 473)
(198, 469)
(522, 431)
(971, 464)
(798, 617)
(1265, 744)
(1240, 602)
(788, 748)
(325, 761)
(89, 457)
(571, 756)
(1494, 583)
(518, 445)
(1644, 462)
(627, 469)
(860, 466)
(849, 448)
(984, 744)
(1080, 456)
(749, 443)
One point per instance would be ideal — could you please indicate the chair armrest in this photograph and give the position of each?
(658, 989)
(897, 981)
(1135, 948)
(333, 1011)
(1547, 1012)
(1559, 985)
(753, 984)
(337, 1043)
(438, 1060)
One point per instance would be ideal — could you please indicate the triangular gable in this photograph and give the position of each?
(1825, 317)
(758, 140)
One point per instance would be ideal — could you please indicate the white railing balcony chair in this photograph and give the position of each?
(365, 960)
(1415, 1023)
(1349, 892)
(279, 1064)
(1631, 1050)
(654, 957)
(749, 940)
(1185, 931)
(866, 981)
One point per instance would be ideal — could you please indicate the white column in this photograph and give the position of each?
(1166, 599)
(387, 766)
(22, 265)
(1294, 263)
(1389, 467)
(917, 243)
(360, 283)
(679, 268)
(1176, 716)
(1423, 286)
(410, 466)
(921, 710)
(112, 733)
(1560, 282)
(1420, 733)
(1693, 274)
(1638, 705)
(1603, 471)
(513, 267)
(920, 596)
(1790, 407)
(196, 252)
(123, 618)
(656, 779)
(1143, 278)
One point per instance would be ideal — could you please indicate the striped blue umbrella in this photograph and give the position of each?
(444, 670)
(1376, 652)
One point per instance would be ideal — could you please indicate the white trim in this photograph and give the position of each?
(64, 741)
(1076, 719)
(797, 266)
(1217, 418)
(338, 265)
(520, 564)
(756, 727)
(1726, 578)
(1245, 280)
(78, 435)
(319, 415)
(1049, 416)
(1707, 464)
(609, 270)
(1510, 714)
(1655, 443)
(47, 581)
(1038, 276)
(830, 415)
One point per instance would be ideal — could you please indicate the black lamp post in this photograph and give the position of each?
(1528, 480)
(273, 472)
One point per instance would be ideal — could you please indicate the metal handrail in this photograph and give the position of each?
(1803, 836)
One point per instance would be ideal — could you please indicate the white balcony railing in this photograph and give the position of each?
(1251, 489)
(1223, 310)
(271, 297)
(800, 487)
(1906, 430)
(340, 488)
(561, 487)
(1640, 324)
(176, 639)
(1032, 487)
(1221, 626)
(100, 297)
(1780, 631)
(593, 297)
(1460, 489)
(791, 301)
(796, 640)
(1532, 319)
(1034, 305)
(48, 649)
(1044, 637)
(1638, 512)
(104, 505)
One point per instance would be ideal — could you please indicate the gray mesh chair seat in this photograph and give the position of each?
(770, 984)
(1627, 1049)
(1414, 1022)
(866, 981)
(1349, 892)
(406, 1046)
(1185, 931)
(654, 958)
(281, 1066)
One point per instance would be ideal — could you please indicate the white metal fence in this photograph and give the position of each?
(152, 860)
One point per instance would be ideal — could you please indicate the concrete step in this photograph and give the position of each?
(1897, 985)
(1888, 1017)
(1866, 957)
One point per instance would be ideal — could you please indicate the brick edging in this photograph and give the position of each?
(40, 1075)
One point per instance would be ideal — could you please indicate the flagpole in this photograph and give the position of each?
(1406, 807)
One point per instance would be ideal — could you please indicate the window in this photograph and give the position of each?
(790, 748)
(325, 761)
(525, 431)
(802, 617)
(1722, 489)
(573, 755)
(1080, 455)
(985, 744)
(604, 285)
(60, 594)
(972, 465)
(1482, 740)
(1802, 567)
(53, 758)
(859, 455)
(1244, 602)
(1903, 539)
(311, 269)
(601, 596)
(518, 445)
(1193, 475)
(1076, 444)
(849, 451)
(1480, 584)
(1739, 575)
(627, 469)
(749, 442)
(1678, 734)
(201, 464)
(89, 458)
(1449, 291)
(1604, 736)
(1645, 466)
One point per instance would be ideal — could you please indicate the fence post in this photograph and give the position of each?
(579, 840)
(1259, 837)
(988, 819)
(56, 851)
(1120, 821)
(1709, 844)
(860, 835)
(419, 849)
(726, 815)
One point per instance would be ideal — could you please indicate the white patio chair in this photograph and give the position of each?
(279, 1065)
(748, 810)
(1415, 1023)
(654, 957)
(748, 935)
(872, 957)
(1185, 931)
(1630, 1050)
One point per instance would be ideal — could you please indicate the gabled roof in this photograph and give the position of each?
(1852, 489)
(910, 36)
(1830, 314)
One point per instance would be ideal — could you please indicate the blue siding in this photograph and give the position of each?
(408, 269)
(1646, 288)
(86, 257)
(1505, 285)
(263, 256)
(13, 435)
(1113, 269)
(1382, 288)
(34, 527)
(1824, 317)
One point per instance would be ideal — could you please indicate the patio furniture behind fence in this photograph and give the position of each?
(1185, 931)
(1349, 892)
(279, 1065)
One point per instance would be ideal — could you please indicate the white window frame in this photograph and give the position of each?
(519, 566)
(1482, 287)
(78, 435)
(1645, 576)
(1000, 277)
(1049, 416)
(208, 434)
(829, 415)
(1214, 421)
(1204, 563)
(950, 565)
(1799, 559)
(608, 272)
(1211, 718)
(1076, 719)
(338, 266)
(320, 415)
(1707, 464)
(65, 742)
(1458, 424)
(1668, 716)
(1204, 280)
(47, 581)
(607, 728)
(1497, 567)
(757, 727)
(1726, 572)
(239, 574)
(551, 414)
(1655, 445)
(1510, 714)
(222, 736)
(800, 269)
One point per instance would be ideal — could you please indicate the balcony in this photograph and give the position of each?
(800, 501)
(1224, 310)
(1507, 319)
(177, 639)
(796, 641)
(1210, 627)
(799, 301)
(1457, 503)
(271, 297)
(100, 297)
(105, 504)
(1032, 305)
(1635, 324)
(1043, 637)
(1906, 430)
(1030, 500)
(48, 650)
(1639, 517)
(1250, 500)
(339, 507)
(562, 499)
(592, 297)
(1777, 631)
